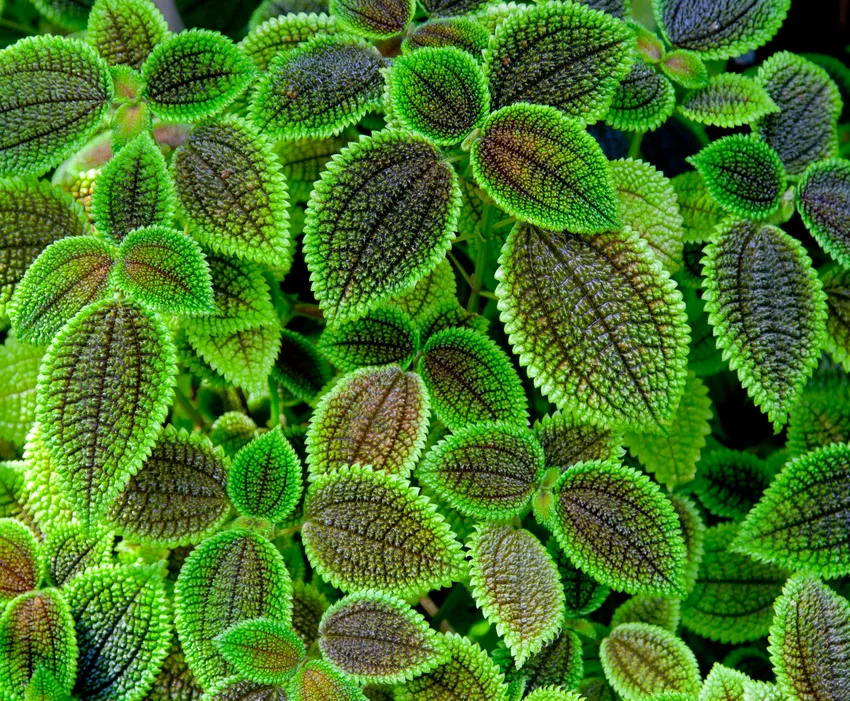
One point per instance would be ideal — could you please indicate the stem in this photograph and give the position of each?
(427, 603)
(193, 413)
(311, 310)
(477, 278)
(487, 295)
(460, 269)
(274, 399)
(634, 146)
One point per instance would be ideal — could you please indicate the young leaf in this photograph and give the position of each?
(178, 495)
(686, 68)
(661, 611)
(486, 471)
(316, 679)
(799, 522)
(390, 201)
(194, 75)
(743, 174)
(70, 550)
(393, 540)
(643, 100)
(641, 660)
(768, 311)
(71, 15)
(820, 417)
(543, 167)
(231, 577)
(566, 442)
(582, 593)
(517, 587)
(44, 687)
(372, 19)
(303, 161)
(21, 560)
(810, 641)
(19, 369)
(376, 638)
(553, 694)
(729, 100)
(232, 192)
(462, 32)
(119, 358)
(471, 380)
(823, 200)
(562, 55)
(598, 323)
(384, 335)
(700, 212)
(729, 482)
(262, 650)
(232, 431)
(281, 34)
(54, 92)
(724, 684)
(300, 369)
(125, 32)
(123, 630)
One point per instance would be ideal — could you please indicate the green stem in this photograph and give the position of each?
(460, 269)
(274, 399)
(193, 413)
(477, 278)
(634, 146)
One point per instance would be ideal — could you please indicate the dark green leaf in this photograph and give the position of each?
(317, 680)
(70, 550)
(836, 286)
(643, 100)
(262, 650)
(729, 100)
(300, 368)
(66, 13)
(693, 533)
(729, 482)
(463, 32)
(559, 663)
(582, 593)
(820, 417)
(125, 32)
(566, 441)
(236, 689)
(823, 200)
(375, 19)
(308, 607)
(281, 34)
(303, 161)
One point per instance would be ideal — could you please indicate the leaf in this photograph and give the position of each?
(837, 343)
(617, 8)
(541, 166)
(566, 441)
(293, 99)
(470, 380)
(302, 162)
(133, 190)
(19, 368)
(743, 174)
(516, 586)
(810, 641)
(661, 611)
(390, 202)
(175, 681)
(231, 577)
(11, 490)
(55, 93)
(719, 29)
(469, 675)
(463, 32)
(119, 359)
(732, 600)
(799, 522)
(65, 13)
(823, 200)
(685, 68)
(553, 694)
(643, 100)
(365, 529)
(700, 212)
(598, 323)
(232, 431)
(70, 550)
(300, 368)
(194, 75)
(615, 524)
(487, 471)
(383, 336)
(729, 100)
(125, 32)
(724, 684)
(316, 679)
(236, 689)
(123, 626)
(308, 607)
(262, 650)
(805, 128)
(693, 533)
(281, 34)
(36, 630)
(68, 275)
(232, 192)
(729, 482)
(819, 418)
(44, 687)
(450, 315)
(178, 496)
(582, 593)
(559, 663)
(21, 560)
(767, 309)
(562, 55)
(371, 19)
(641, 660)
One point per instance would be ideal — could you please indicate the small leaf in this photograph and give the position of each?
(231, 577)
(743, 174)
(553, 694)
(768, 311)
(194, 75)
(486, 471)
(119, 358)
(729, 482)
(661, 611)
(799, 522)
(810, 641)
(281, 34)
(21, 560)
(125, 32)
(19, 369)
(641, 660)
(462, 32)
(390, 201)
(823, 200)
(237, 689)
(693, 533)
(724, 684)
(55, 93)
(820, 417)
(262, 650)
(570, 188)
(686, 68)
(300, 368)
(700, 212)
(384, 335)
(316, 679)
(11, 490)
(373, 19)
(729, 100)
(582, 593)
(232, 431)
(393, 539)
(70, 550)
(559, 663)
(471, 380)
(643, 100)
(566, 441)
(44, 687)
(564, 56)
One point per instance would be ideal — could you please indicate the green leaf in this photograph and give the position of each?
(559, 663)
(44, 502)
(293, 99)
(391, 202)
(562, 55)
(641, 660)
(729, 100)
(232, 192)
(617, 526)
(178, 496)
(70, 550)
(371, 19)
(19, 369)
(487, 471)
(823, 200)
(685, 68)
(543, 167)
(768, 311)
(661, 611)
(133, 190)
(693, 533)
(597, 321)
(300, 368)
(743, 174)
(302, 162)
(810, 641)
(37, 630)
(123, 626)
(724, 684)
(516, 586)
(194, 75)
(582, 593)
(643, 100)
(799, 522)
(469, 675)
(732, 600)
(233, 430)
(463, 32)
(125, 32)
(236, 689)
(762, 691)
(231, 577)
(471, 380)
(21, 560)
(819, 418)
(700, 212)
(393, 539)
(719, 29)
(450, 315)
(729, 482)
(118, 357)
(11, 489)
(616, 8)
(836, 286)
(566, 441)
(308, 607)
(281, 34)
(175, 681)
(553, 694)
(376, 638)
(44, 687)
(805, 128)
(316, 679)
(262, 650)
(65, 13)
(54, 94)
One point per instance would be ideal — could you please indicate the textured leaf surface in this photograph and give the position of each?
(376, 19)
(836, 286)
(262, 650)
(661, 611)
(384, 335)
(686, 68)
(303, 161)
(462, 32)
(300, 368)
(19, 369)
(582, 593)
(700, 212)
(821, 417)
(598, 323)
(692, 528)
(823, 200)
(566, 441)
(236, 689)
(316, 679)
(724, 684)
(21, 560)
(283, 33)
(70, 549)
(65, 13)
(125, 32)
(643, 100)
(44, 687)
(729, 482)
(559, 663)
(729, 100)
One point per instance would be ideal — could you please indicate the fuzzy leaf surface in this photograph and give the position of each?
(21, 560)
(19, 370)
(283, 33)
(729, 100)
(316, 679)
(661, 611)
(566, 441)
(700, 212)
(70, 549)
(582, 593)
(462, 32)
(821, 417)
(300, 368)
(125, 32)
(724, 684)
(643, 100)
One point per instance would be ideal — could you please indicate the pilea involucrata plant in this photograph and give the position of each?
(451, 351)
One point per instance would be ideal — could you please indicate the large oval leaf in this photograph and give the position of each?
(823, 200)
(285, 32)
(125, 32)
